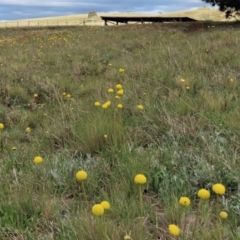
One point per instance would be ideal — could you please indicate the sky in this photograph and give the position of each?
(28, 9)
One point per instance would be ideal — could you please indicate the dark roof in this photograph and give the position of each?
(125, 19)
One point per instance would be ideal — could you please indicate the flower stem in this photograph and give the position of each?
(196, 220)
(84, 192)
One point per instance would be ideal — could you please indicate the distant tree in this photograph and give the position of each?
(92, 14)
(230, 7)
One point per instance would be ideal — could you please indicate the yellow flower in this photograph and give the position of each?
(108, 103)
(35, 95)
(104, 106)
(64, 94)
(127, 237)
(218, 188)
(187, 87)
(1, 126)
(117, 97)
(105, 204)
(14, 148)
(120, 105)
(185, 201)
(120, 92)
(28, 129)
(109, 64)
(68, 95)
(140, 179)
(119, 86)
(81, 175)
(140, 107)
(182, 80)
(105, 136)
(223, 215)
(110, 90)
(98, 210)
(174, 230)
(121, 70)
(204, 194)
(38, 160)
(97, 104)
(231, 80)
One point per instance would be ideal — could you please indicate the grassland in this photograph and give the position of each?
(184, 139)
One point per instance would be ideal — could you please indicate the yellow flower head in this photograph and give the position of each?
(68, 95)
(38, 160)
(223, 215)
(204, 194)
(97, 104)
(110, 90)
(105, 204)
(119, 105)
(117, 97)
(121, 70)
(105, 136)
(120, 92)
(187, 87)
(182, 80)
(28, 129)
(140, 107)
(14, 148)
(108, 103)
(127, 237)
(109, 64)
(140, 179)
(64, 94)
(231, 80)
(185, 201)
(1, 126)
(98, 210)
(104, 106)
(174, 230)
(81, 175)
(218, 188)
(119, 86)
(35, 95)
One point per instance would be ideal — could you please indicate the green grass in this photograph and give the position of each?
(186, 137)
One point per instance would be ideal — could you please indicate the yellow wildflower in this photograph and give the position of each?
(119, 105)
(105, 204)
(68, 95)
(1, 126)
(117, 97)
(182, 80)
(35, 95)
(127, 237)
(28, 129)
(97, 104)
(64, 94)
(104, 106)
(120, 92)
(119, 86)
(231, 80)
(140, 179)
(98, 210)
(109, 64)
(38, 160)
(223, 215)
(204, 194)
(140, 107)
(174, 230)
(108, 103)
(14, 148)
(218, 188)
(185, 201)
(110, 90)
(105, 136)
(121, 70)
(81, 175)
